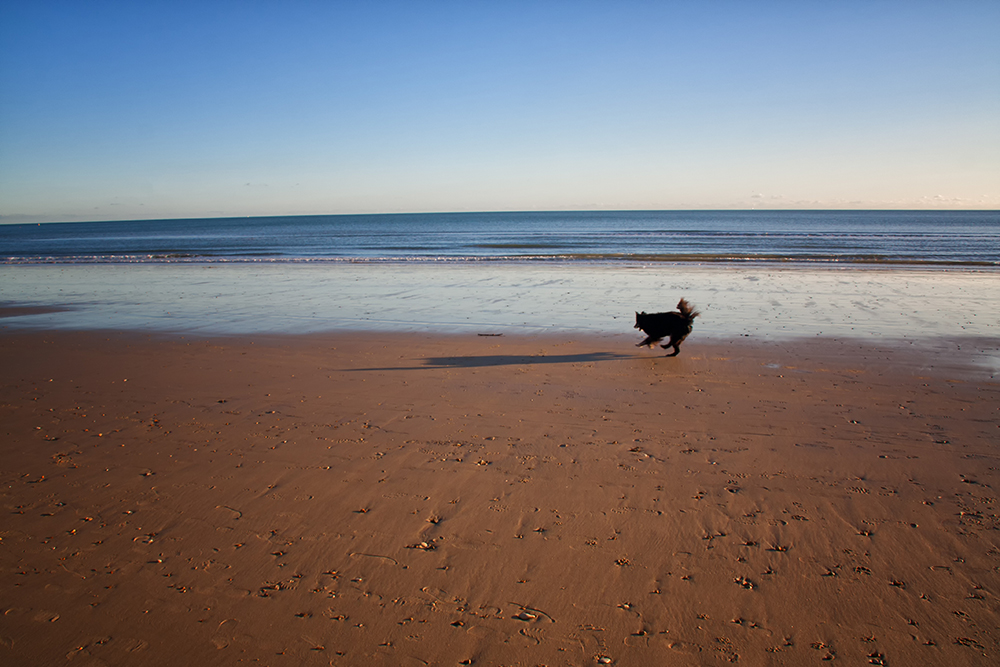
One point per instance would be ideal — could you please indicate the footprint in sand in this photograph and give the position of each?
(689, 648)
(532, 635)
(225, 634)
(639, 638)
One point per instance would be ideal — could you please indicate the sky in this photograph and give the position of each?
(141, 110)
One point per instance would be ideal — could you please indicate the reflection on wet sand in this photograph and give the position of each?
(770, 302)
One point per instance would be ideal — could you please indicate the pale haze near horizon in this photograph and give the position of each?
(115, 110)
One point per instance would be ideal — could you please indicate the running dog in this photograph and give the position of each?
(676, 325)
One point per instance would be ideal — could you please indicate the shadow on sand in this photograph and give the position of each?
(481, 361)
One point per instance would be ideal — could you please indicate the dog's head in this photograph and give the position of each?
(638, 319)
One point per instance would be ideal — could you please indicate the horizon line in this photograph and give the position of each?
(4, 222)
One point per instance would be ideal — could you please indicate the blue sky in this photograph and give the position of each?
(132, 110)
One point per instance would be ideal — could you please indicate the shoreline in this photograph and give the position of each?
(382, 498)
(569, 299)
(727, 260)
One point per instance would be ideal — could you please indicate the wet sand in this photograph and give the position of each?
(767, 301)
(375, 499)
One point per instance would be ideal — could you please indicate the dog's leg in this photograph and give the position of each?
(650, 341)
(674, 343)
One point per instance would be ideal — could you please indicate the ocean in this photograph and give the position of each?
(916, 238)
(902, 275)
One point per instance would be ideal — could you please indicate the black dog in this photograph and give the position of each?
(676, 325)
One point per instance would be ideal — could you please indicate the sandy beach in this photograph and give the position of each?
(317, 339)
(379, 499)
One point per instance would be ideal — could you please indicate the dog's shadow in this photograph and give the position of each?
(488, 360)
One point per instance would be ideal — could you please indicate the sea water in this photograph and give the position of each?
(898, 274)
(960, 238)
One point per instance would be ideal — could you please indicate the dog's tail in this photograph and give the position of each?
(687, 310)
